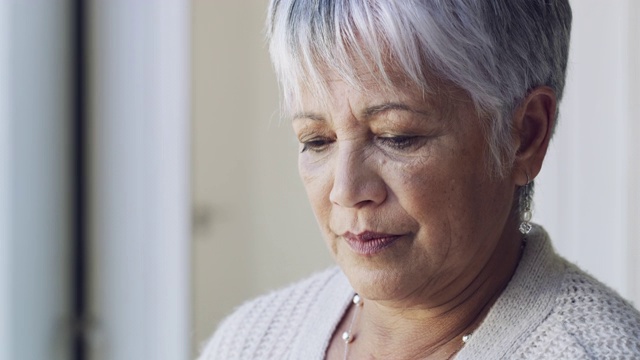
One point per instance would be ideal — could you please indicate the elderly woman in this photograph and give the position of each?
(423, 124)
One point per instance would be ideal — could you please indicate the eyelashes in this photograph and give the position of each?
(315, 145)
(395, 142)
(401, 142)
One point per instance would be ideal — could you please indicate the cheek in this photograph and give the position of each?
(317, 183)
(441, 193)
(426, 195)
(311, 175)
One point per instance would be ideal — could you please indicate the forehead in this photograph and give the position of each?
(373, 89)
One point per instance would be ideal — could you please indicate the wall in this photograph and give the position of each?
(587, 195)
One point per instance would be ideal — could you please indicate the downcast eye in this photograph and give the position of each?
(402, 142)
(315, 145)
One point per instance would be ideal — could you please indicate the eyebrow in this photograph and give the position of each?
(390, 106)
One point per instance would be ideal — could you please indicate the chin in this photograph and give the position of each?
(379, 282)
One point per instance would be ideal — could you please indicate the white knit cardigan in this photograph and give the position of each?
(550, 310)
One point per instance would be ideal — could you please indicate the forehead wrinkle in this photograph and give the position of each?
(369, 112)
(380, 99)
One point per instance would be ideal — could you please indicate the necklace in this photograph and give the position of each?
(348, 336)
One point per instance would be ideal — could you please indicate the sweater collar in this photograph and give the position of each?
(523, 305)
(315, 334)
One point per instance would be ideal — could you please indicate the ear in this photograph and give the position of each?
(533, 124)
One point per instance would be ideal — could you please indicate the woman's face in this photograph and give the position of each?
(401, 188)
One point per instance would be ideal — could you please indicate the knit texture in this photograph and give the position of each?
(550, 310)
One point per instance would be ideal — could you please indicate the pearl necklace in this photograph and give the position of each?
(348, 335)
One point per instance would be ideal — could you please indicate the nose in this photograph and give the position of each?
(357, 181)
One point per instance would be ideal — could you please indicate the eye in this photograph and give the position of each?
(315, 145)
(400, 142)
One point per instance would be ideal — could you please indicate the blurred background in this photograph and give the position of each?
(148, 187)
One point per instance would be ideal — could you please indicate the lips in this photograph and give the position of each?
(369, 243)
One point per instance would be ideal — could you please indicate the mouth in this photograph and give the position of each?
(369, 243)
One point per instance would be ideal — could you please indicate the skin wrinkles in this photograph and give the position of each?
(370, 111)
(385, 123)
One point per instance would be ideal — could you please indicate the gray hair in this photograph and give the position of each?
(495, 50)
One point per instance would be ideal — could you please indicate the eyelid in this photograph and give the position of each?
(315, 144)
(396, 135)
(402, 142)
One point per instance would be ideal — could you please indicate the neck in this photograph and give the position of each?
(409, 328)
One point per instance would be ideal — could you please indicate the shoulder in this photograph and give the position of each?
(596, 317)
(586, 320)
(263, 327)
(553, 310)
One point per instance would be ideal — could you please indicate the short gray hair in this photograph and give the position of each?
(495, 50)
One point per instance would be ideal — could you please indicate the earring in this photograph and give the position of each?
(526, 195)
